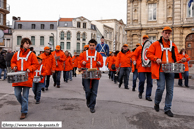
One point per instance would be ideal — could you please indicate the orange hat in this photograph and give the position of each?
(146, 36)
(110, 52)
(39, 57)
(125, 45)
(167, 28)
(45, 48)
(138, 44)
(58, 47)
(86, 46)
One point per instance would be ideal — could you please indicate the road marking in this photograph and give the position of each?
(6, 95)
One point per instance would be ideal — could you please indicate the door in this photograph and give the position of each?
(189, 46)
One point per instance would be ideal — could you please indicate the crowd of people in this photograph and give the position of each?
(119, 63)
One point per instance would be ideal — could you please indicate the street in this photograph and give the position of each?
(116, 108)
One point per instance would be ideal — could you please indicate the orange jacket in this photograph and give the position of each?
(68, 64)
(94, 63)
(75, 61)
(43, 73)
(186, 63)
(136, 56)
(132, 65)
(31, 64)
(154, 52)
(107, 60)
(123, 59)
(49, 62)
(112, 61)
(60, 61)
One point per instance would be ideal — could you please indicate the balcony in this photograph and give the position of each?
(4, 7)
(4, 24)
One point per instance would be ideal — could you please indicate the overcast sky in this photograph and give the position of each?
(53, 9)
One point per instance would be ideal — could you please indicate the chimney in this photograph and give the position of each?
(19, 18)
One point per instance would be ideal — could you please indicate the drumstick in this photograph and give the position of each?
(180, 60)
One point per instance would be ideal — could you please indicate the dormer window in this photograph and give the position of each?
(33, 26)
(78, 24)
(42, 26)
(84, 25)
(66, 24)
(51, 26)
(19, 26)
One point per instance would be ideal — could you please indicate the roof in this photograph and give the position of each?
(66, 19)
(34, 21)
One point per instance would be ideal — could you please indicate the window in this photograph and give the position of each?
(83, 44)
(68, 35)
(1, 4)
(19, 26)
(62, 35)
(68, 45)
(84, 25)
(33, 26)
(42, 26)
(19, 39)
(42, 40)
(84, 36)
(33, 40)
(152, 12)
(78, 24)
(189, 45)
(78, 36)
(1, 19)
(190, 9)
(78, 46)
(51, 39)
(51, 26)
(62, 45)
(152, 38)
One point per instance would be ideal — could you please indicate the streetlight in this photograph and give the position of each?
(53, 42)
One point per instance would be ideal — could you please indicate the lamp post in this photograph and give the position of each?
(53, 42)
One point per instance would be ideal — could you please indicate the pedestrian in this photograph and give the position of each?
(75, 63)
(182, 54)
(37, 86)
(8, 58)
(157, 54)
(49, 62)
(144, 72)
(24, 60)
(91, 85)
(3, 64)
(67, 67)
(59, 58)
(71, 68)
(123, 63)
(112, 66)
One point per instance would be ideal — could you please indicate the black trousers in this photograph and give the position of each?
(74, 71)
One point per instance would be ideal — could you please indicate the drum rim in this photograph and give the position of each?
(142, 53)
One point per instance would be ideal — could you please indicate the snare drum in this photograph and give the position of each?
(173, 68)
(91, 74)
(15, 77)
(36, 79)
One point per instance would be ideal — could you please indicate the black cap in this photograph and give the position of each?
(102, 37)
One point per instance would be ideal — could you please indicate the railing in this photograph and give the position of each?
(7, 6)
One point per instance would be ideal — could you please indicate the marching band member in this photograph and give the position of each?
(123, 62)
(91, 59)
(159, 52)
(67, 67)
(103, 48)
(186, 73)
(75, 63)
(143, 72)
(42, 72)
(59, 58)
(49, 62)
(112, 66)
(24, 60)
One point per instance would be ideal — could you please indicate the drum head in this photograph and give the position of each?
(145, 60)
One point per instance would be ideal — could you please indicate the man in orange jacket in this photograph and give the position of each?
(85, 62)
(24, 60)
(67, 67)
(59, 58)
(48, 61)
(159, 52)
(124, 63)
(143, 72)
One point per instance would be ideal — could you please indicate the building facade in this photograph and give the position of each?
(4, 23)
(150, 16)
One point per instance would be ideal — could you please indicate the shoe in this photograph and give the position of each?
(35, 97)
(92, 110)
(42, 89)
(87, 103)
(119, 85)
(169, 113)
(46, 88)
(157, 107)
(66, 81)
(133, 89)
(148, 99)
(187, 86)
(140, 95)
(54, 84)
(58, 86)
(37, 102)
(180, 85)
(23, 116)
(127, 88)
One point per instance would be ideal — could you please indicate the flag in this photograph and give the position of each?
(190, 1)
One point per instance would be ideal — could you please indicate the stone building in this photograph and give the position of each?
(150, 16)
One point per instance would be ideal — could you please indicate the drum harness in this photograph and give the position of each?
(91, 57)
(23, 58)
(166, 49)
(39, 71)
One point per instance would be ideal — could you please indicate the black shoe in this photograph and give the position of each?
(42, 89)
(37, 102)
(127, 88)
(180, 85)
(46, 88)
(148, 99)
(157, 107)
(54, 84)
(169, 113)
(58, 86)
(187, 86)
(140, 95)
(87, 103)
(133, 89)
(119, 85)
(92, 110)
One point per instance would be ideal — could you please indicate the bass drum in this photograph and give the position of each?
(145, 61)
